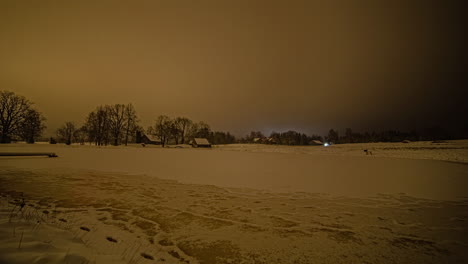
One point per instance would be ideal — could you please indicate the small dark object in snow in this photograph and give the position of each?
(85, 229)
(146, 256)
(110, 239)
(22, 204)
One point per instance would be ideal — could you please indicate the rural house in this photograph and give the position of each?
(200, 143)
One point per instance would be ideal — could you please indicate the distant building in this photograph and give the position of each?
(150, 140)
(315, 142)
(271, 140)
(200, 143)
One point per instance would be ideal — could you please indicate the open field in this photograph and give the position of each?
(236, 204)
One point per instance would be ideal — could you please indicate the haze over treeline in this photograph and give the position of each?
(303, 65)
(119, 124)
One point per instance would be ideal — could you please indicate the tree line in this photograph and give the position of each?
(106, 125)
(427, 134)
(119, 124)
(179, 130)
(291, 137)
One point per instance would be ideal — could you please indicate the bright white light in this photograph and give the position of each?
(326, 145)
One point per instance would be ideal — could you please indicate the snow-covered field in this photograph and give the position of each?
(454, 150)
(236, 204)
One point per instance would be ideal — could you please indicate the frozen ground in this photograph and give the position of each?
(297, 205)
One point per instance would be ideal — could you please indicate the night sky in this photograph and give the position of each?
(242, 65)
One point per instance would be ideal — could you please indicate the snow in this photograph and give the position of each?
(338, 170)
(236, 204)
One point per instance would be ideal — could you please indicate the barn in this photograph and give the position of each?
(315, 142)
(200, 143)
(150, 140)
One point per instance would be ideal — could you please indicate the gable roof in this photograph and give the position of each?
(152, 138)
(201, 141)
(316, 141)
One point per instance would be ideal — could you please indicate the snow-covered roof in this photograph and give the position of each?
(152, 138)
(201, 141)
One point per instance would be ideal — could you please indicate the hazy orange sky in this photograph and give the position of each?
(241, 65)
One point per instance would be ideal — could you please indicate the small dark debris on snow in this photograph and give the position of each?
(111, 239)
(146, 256)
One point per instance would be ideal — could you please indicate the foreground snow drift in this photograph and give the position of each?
(139, 218)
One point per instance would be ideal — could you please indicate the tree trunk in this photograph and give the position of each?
(5, 138)
(126, 136)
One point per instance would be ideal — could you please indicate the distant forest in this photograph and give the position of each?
(118, 124)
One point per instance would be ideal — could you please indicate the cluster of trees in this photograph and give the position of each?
(108, 124)
(293, 138)
(18, 119)
(118, 124)
(433, 133)
(290, 137)
(349, 136)
(180, 130)
(219, 137)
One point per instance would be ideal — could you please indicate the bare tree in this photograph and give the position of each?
(132, 120)
(174, 131)
(111, 123)
(90, 128)
(13, 111)
(183, 124)
(200, 130)
(162, 129)
(117, 121)
(66, 132)
(80, 135)
(98, 126)
(333, 136)
(32, 126)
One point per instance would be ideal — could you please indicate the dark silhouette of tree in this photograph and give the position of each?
(162, 129)
(175, 132)
(333, 136)
(117, 122)
(14, 110)
(32, 126)
(200, 130)
(131, 121)
(97, 126)
(111, 124)
(183, 125)
(80, 135)
(348, 138)
(66, 132)
(218, 137)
